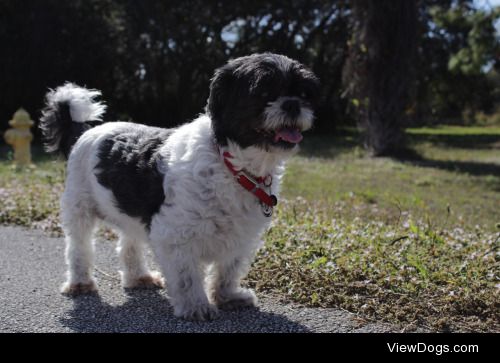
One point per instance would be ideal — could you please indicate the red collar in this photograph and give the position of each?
(251, 183)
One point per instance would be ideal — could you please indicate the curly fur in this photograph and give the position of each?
(171, 190)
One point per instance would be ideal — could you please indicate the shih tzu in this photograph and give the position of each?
(200, 195)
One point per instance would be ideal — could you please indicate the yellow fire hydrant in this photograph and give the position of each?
(20, 137)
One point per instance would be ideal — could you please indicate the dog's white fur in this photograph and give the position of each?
(274, 116)
(84, 107)
(208, 228)
(204, 242)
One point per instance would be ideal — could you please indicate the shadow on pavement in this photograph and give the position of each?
(149, 311)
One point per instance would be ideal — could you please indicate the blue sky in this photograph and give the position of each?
(487, 3)
(229, 36)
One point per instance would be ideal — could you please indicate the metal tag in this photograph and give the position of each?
(266, 210)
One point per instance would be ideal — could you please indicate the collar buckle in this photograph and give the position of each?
(254, 185)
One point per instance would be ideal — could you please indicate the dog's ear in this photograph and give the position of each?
(220, 87)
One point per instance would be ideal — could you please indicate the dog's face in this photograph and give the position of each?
(264, 100)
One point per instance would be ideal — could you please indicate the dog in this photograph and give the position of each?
(200, 195)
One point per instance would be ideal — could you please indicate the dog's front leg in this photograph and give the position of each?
(224, 284)
(184, 276)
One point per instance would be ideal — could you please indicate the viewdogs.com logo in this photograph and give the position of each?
(431, 348)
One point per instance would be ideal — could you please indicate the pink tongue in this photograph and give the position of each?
(290, 135)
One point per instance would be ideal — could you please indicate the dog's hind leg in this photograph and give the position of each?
(78, 222)
(134, 271)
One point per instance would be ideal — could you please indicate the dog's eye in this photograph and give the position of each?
(304, 94)
(264, 94)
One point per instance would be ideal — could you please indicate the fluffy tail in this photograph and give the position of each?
(70, 111)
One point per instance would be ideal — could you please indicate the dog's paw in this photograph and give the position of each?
(243, 298)
(72, 289)
(201, 312)
(153, 280)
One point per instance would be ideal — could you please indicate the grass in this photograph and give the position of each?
(411, 242)
(30, 197)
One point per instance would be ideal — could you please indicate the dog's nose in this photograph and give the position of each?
(291, 107)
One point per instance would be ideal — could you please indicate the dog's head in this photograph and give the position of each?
(263, 100)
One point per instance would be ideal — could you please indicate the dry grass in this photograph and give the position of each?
(412, 242)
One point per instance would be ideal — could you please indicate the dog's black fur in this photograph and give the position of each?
(128, 167)
(242, 88)
(239, 92)
(59, 129)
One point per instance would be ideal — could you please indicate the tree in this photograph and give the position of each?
(153, 60)
(458, 44)
(379, 73)
(176, 48)
(46, 43)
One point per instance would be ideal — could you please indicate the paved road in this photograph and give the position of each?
(32, 268)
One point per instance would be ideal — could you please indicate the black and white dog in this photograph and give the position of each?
(200, 195)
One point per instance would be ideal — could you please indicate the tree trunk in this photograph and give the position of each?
(379, 72)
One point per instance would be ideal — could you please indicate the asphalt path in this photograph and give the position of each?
(32, 269)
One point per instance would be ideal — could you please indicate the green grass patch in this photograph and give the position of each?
(451, 131)
(410, 273)
(450, 184)
(411, 242)
(30, 197)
